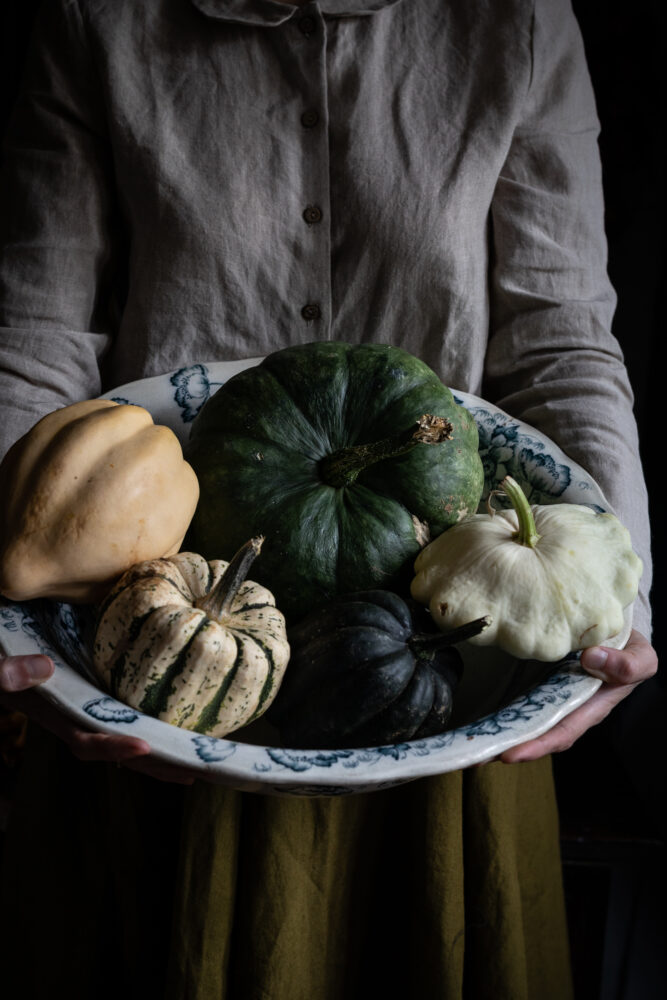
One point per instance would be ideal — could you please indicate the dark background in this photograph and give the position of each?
(626, 53)
(611, 784)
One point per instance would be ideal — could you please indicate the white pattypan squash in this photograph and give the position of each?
(552, 578)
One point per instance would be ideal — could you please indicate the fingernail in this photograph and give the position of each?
(38, 668)
(594, 663)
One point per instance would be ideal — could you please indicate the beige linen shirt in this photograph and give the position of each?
(199, 180)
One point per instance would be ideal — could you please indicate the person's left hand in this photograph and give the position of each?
(621, 670)
(20, 676)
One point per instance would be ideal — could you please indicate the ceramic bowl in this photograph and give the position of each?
(500, 702)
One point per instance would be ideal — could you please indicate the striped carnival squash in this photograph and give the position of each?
(192, 642)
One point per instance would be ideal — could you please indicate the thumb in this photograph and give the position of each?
(635, 663)
(18, 673)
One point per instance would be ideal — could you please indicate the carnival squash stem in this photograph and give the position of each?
(343, 466)
(219, 600)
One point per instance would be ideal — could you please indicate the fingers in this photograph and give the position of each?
(18, 673)
(85, 744)
(126, 751)
(114, 748)
(620, 669)
(636, 662)
(111, 748)
(561, 736)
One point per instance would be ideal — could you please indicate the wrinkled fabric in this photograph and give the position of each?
(442, 889)
(162, 159)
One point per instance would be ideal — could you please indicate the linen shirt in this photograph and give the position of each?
(200, 180)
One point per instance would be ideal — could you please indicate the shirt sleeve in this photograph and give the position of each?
(552, 359)
(56, 244)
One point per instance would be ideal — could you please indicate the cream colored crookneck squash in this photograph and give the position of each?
(552, 578)
(90, 490)
(193, 642)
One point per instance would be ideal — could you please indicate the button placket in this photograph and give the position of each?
(315, 306)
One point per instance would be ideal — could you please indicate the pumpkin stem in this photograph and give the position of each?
(527, 533)
(343, 466)
(424, 643)
(218, 600)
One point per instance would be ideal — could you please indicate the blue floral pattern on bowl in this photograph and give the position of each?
(64, 631)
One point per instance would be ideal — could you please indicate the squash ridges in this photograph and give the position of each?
(208, 717)
(269, 683)
(118, 591)
(156, 695)
(116, 669)
(318, 452)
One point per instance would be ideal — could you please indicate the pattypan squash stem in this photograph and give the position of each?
(218, 601)
(527, 533)
(343, 466)
(426, 643)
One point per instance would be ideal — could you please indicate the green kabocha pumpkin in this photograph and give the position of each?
(192, 643)
(315, 448)
(363, 673)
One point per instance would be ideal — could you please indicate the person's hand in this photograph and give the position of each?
(621, 670)
(20, 675)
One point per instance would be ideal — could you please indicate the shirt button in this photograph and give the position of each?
(312, 213)
(310, 118)
(306, 24)
(311, 311)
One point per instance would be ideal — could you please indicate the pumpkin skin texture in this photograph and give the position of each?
(91, 489)
(362, 673)
(192, 643)
(260, 448)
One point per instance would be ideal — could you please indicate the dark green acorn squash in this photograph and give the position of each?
(363, 673)
(314, 449)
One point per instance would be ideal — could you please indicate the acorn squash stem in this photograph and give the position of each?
(343, 466)
(427, 643)
(527, 533)
(218, 600)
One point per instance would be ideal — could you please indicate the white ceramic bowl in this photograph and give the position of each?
(501, 701)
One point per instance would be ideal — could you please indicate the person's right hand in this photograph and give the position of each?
(20, 675)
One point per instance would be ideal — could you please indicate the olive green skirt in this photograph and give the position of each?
(115, 885)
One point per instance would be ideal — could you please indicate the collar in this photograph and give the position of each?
(270, 12)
